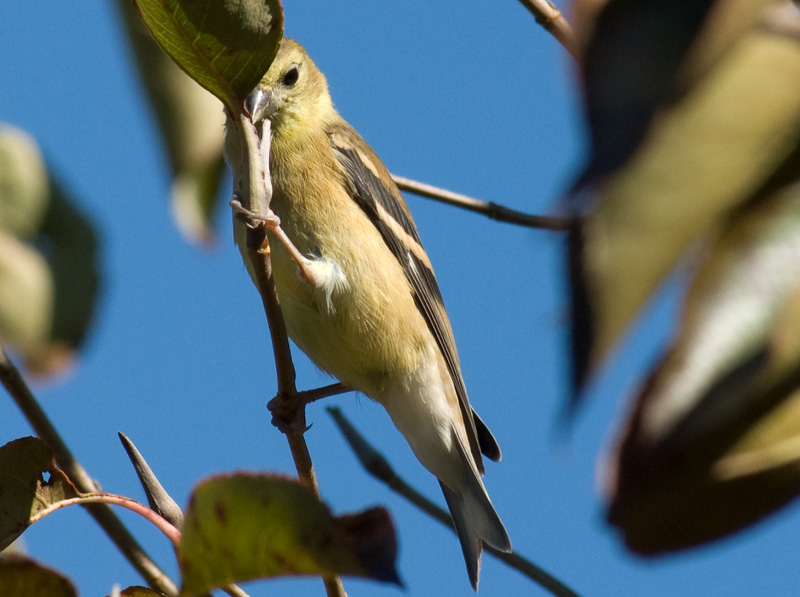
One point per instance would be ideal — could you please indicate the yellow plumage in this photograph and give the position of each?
(374, 317)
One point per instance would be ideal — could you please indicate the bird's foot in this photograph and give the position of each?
(249, 218)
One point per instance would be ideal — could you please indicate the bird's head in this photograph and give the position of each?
(292, 91)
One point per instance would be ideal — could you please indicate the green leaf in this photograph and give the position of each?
(24, 492)
(713, 443)
(246, 526)
(225, 46)
(22, 577)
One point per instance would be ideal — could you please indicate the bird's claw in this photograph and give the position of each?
(272, 222)
(251, 219)
(288, 414)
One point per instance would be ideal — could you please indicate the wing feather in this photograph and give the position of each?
(372, 188)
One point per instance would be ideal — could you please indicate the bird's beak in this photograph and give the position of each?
(259, 104)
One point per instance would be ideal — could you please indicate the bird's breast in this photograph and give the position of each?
(366, 330)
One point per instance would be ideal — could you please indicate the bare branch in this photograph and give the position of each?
(378, 466)
(549, 17)
(26, 402)
(487, 208)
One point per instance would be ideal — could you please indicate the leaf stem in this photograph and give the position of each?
(173, 534)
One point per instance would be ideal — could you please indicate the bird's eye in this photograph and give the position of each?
(290, 76)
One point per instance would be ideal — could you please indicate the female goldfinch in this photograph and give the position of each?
(370, 312)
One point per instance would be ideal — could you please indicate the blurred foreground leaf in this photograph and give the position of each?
(49, 272)
(732, 137)
(24, 490)
(27, 299)
(191, 121)
(638, 57)
(713, 443)
(23, 183)
(247, 526)
(225, 46)
(22, 577)
(631, 52)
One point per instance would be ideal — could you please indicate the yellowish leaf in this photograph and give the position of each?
(247, 526)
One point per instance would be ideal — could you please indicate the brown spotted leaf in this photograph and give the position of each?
(247, 526)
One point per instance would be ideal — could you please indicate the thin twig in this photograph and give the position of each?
(26, 402)
(287, 410)
(549, 17)
(378, 466)
(487, 208)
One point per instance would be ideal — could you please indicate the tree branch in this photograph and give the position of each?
(487, 208)
(378, 466)
(549, 17)
(26, 402)
(288, 410)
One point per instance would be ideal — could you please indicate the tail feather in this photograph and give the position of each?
(474, 517)
(471, 544)
(486, 441)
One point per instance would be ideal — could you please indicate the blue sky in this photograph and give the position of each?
(470, 96)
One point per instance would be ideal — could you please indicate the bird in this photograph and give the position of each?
(358, 292)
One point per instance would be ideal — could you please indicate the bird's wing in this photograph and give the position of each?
(372, 188)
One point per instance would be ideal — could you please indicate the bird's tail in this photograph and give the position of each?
(474, 518)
